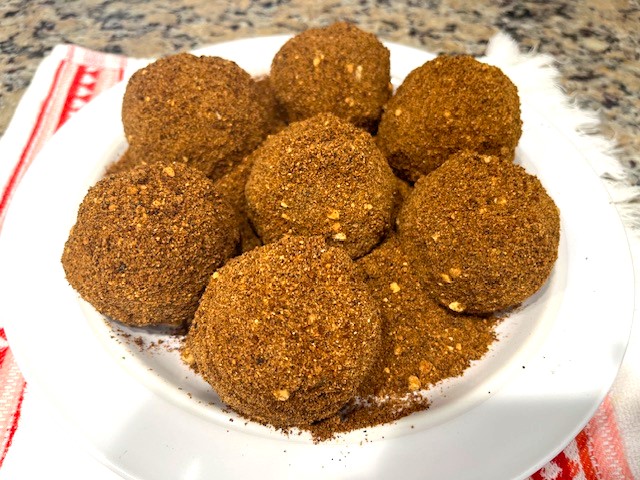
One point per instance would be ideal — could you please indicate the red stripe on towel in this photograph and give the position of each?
(73, 89)
(25, 158)
(11, 394)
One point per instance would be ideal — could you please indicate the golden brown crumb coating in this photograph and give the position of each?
(338, 69)
(125, 162)
(482, 232)
(204, 111)
(403, 190)
(322, 176)
(146, 242)
(422, 342)
(449, 104)
(277, 359)
(231, 189)
(276, 113)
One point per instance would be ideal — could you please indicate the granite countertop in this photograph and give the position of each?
(595, 42)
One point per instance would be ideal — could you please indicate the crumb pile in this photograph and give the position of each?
(449, 104)
(321, 176)
(293, 332)
(483, 233)
(273, 357)
(422, 344)
(204, 111)
(146, 242)
(338, 69)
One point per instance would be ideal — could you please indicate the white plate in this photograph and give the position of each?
(147, 417)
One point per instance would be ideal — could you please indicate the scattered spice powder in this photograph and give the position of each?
(139, 342)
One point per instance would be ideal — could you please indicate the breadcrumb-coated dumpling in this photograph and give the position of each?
(339, 69)
(449, 104)
(286, 333)
(146, 241)
(482, 232)
(321, 176)
(204, 111)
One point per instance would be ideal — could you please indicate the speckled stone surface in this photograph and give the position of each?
(596, 42)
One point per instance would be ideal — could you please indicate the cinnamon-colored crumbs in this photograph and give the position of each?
(422, 344)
